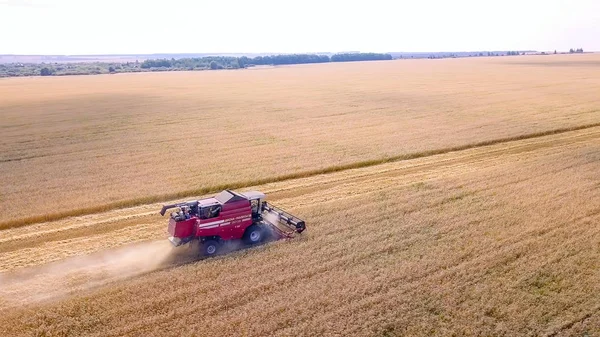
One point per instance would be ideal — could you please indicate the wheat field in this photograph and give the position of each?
(89, 142)
(499, 237)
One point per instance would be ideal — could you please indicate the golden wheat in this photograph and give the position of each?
(496, 240)
(77, 145)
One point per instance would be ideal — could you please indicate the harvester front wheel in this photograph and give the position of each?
(253, 235)
(209, 248)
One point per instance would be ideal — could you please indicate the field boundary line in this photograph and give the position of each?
(290, 176)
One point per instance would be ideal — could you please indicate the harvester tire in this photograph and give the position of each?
(209, 248)
(254, 234)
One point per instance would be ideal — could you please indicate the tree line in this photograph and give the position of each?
(164, 64)
(228, 62)
(64, 69)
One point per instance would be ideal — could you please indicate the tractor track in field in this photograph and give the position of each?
(66, 244)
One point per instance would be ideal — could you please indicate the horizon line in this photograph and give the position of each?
(279, 53)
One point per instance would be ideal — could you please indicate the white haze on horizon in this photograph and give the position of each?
(73, 27)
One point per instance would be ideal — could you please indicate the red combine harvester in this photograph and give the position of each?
(229, 216)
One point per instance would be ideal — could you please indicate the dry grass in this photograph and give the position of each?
(83, 144)
(496, 240)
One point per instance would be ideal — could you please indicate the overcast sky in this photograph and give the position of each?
(188, 26)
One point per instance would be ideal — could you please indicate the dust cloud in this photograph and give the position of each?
(272, 218)
(73, 275)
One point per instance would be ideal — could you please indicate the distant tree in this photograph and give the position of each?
(111, 69)
(555, 51)
(159, 63)
(360, 57)
(45, 72)
(571, 51)
(243, 61)
(213, 65)
(579, 50)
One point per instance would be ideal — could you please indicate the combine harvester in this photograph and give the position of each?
(229, 216)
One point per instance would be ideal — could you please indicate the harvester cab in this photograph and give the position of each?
(229, 216)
